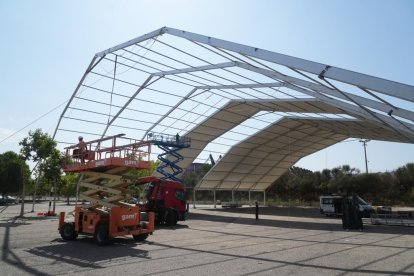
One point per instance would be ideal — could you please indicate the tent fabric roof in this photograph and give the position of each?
(238, 111)
(255, 163)
(220, 94)
(325, 132)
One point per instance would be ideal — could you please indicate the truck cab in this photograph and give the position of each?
(165, 198)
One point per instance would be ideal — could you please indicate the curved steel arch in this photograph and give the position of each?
(221, 93)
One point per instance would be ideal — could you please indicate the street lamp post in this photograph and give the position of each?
(364, 143)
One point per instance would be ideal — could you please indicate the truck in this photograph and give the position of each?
(332, 206)
(166, 198)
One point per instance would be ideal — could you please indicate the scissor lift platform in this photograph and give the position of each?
(108, 213)
(122, 153)
(107, 163)
(171, 145)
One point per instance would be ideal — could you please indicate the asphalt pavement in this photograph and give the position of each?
(285, 240)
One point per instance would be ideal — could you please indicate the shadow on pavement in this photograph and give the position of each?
(266, 222)
(171, 228)
(328, 225)
(83, 252)
(3, 208)
(308, 212)
(225, 256)
(8, 256)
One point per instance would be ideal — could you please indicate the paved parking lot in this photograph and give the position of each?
(212, 242)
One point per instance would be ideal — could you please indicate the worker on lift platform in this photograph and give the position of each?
(82, 149)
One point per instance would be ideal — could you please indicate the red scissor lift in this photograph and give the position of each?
(105, 178)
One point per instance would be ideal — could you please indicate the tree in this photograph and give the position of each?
(51, 167)
(37, 146)
(307, 188)
(405, 178)
(11, 166)
(68, 187)
(142, 173)
(40, 147)
(391, 189)
(396, 187)
(280, 188)
(191, 178)
(135, 174)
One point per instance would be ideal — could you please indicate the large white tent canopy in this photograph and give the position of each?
(256, 162)
(259, 110)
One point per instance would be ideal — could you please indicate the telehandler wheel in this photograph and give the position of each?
(141, 237)
(101, 236)
(67, 232)
(171, 219)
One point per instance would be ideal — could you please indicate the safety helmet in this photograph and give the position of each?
(80, 138)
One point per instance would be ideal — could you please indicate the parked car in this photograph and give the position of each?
(7, 200)
(332, 206)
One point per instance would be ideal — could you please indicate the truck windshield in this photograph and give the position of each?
(148, 190)
(362, 202)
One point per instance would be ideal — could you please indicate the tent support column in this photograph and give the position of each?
(214, 198)
(250, 203)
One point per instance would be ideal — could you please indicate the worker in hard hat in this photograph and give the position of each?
(82, 149)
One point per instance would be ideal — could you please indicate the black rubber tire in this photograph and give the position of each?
(171, 219)
(141, 237)
(101, 236)
(159, 218)
(67, 232)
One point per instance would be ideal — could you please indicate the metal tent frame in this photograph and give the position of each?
(233, 101)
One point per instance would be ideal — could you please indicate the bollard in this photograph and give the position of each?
(257, 210)
(48, 211)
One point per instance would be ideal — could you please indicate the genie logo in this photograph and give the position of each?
(131, 162)
(127, 217)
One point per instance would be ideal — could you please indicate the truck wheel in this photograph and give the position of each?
(159, 219)
(171, 219)
(141, 237)
(67, 232)
(101, 236)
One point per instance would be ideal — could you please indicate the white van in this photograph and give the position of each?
(332, 206)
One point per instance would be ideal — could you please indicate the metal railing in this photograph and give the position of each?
(399, 218)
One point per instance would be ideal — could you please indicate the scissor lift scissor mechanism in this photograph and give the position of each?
(105, 177)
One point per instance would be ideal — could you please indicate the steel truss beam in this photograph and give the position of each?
(244, 86)
(92, 65)
(295, 83)
(362, 81)
(169, 112)
(142, 87)
(325, 90)
(132, 42)
(387, 87)
(239, 86)
(196, 69)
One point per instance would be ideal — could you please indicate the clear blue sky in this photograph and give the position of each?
(46, 46)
